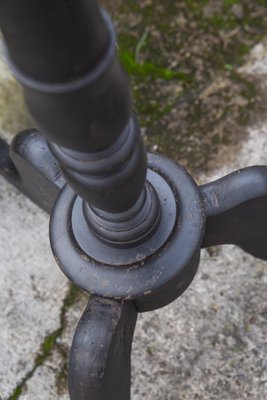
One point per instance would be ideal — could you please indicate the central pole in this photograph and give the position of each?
(64, 55)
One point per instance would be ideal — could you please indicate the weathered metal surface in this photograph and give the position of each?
(30, 166)
(153, 273)
(100, 357)
(236, 209)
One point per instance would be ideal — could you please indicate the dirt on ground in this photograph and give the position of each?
(183, 58)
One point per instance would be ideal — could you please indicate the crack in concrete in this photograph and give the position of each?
(49, 343)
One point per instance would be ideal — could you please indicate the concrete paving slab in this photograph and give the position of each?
(44, 385)
(32, 288)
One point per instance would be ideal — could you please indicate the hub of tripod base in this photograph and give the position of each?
(152, 273)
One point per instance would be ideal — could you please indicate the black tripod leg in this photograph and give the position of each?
(236, 209)
(100, 357)
(29, 165)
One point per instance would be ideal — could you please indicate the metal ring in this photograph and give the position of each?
(67, 87)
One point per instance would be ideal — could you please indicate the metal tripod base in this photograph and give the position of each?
(235, 209)
(152, 273)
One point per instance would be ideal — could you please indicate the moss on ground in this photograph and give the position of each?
(184, 59)
(50, 344)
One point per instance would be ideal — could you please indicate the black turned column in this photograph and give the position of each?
(64, 55)
(54, 40)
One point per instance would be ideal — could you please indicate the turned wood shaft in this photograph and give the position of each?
(64, 55)
(53, 40)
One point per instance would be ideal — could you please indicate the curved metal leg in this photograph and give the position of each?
(29, 165)
(236, 209)
(100, 357)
